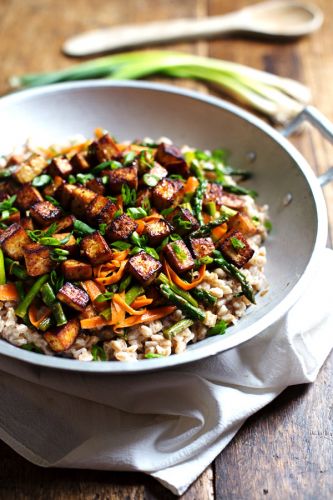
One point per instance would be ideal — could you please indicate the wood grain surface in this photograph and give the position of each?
(284, 451)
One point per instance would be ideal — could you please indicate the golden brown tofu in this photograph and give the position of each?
(143, 197)
(236, 249)
(27, 223)
(81, 198)
(51, 188)
(183, 221)
(63, 337)
(45, 213)
(121, 228)
(60, 166)
(231, 200)
(144, 267)
(120, 176)
(95, 248)
(179, 256)
(95, 207)
(243, 224)
(73, 296)
(13, 240)
(27, 196)
(14, 217)
(64, 194)
(105, 149)
(37, 259)
(71, 246)
(166, 193)
(96, 185)
(172, 159)
(106, 215)
(28, 170)
(158, 171)
(75, 270)
(214, 193)
(66, 223)
(80, 163)
(157, 230)
(201, 247)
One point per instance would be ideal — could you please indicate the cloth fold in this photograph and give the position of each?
(169, 424)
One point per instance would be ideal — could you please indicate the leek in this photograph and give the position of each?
(278, 98)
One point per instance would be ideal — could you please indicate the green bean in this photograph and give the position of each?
(133, 293)
(187, 308)
(16, 269)
(186, 295)
(23, 306)
(177, 328)
(20, 289)
(125, 283)
(45, 324)
(2, 269)
(236, 273)
(48, 295)
(230, 188)
(59, 314)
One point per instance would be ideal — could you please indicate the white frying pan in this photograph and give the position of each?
(131, 110)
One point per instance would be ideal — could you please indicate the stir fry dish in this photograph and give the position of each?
(125, 251)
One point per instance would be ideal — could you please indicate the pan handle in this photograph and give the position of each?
(321, 123)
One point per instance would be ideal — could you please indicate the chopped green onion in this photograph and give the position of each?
(151, 180)
(211, 208)
(41, 180)
(121, 245)
(236, 243)
(98, 353)
(153, 355)
(218, 329)
(129, 158)
(84, 178)
(83, 228)
(136, 212)
(52, 200)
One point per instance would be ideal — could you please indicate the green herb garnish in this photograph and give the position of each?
(41, 180)
(236, 243)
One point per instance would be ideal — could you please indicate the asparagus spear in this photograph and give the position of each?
(236, 273)
(177, 328)
(50, 300)
(206, 229)
(23, 306)
(230, 188)
(198, 199)
(133, 293)
(16, 269)
(186, 295)
(187, 308)
(58, 314)
(204, 296)
(2, 269)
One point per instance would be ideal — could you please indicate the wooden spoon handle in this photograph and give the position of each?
(126, 36)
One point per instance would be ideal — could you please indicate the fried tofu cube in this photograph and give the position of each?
(71, 246)
(66, 223)
(80, 163)
(166, 193)
(121, 228)
(96, 185)
(27, 223)
(231, 200)
(95, 207)
(123, 175)
(63, 337)
(51, 188)
(27, 196)
(81, 198)
(45, 213)
(73, 296)
(242, 223)
(214, 193)
(236, 249)
(32, 167)
(172, 159)
(106, 215)
(64, 194)
(37, 259)
(75, 270)
(13, 240)
(179, 256)
(143, 197)
(157, 230)
(183, 221)
(60, 166)
(105, 149)
(144, 268)
(202, 247)
(95, 248)
(158, 171)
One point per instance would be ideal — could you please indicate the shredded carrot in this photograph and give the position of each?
(117, 312)
(115, 277)
(92, 289)
(118, 299)
(147, 317)
(191, 185)
(99, 132)
(219, 231)
(120, 255)
(9, 292)
(38, 314)
(184, 285)
(141, 226)
(142, 301)
(119, 202)
(94, 322)
(206, 218)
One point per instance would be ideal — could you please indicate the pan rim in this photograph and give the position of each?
(243, 335)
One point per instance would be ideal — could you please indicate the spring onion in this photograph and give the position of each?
(279, 98)
(2, 269)
(23, 306)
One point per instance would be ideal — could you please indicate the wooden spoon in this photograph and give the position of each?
(283, 18)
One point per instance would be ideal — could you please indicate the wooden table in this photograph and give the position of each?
(284, 451)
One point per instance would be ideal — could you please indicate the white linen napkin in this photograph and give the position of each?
(169, 424)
